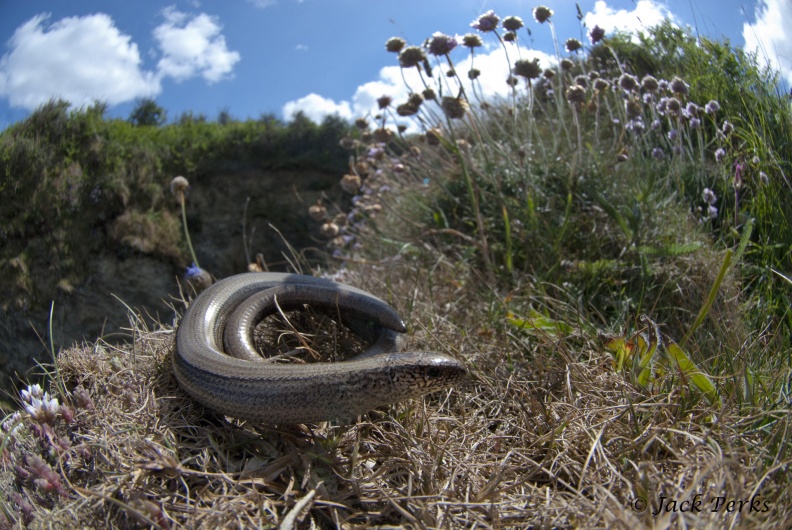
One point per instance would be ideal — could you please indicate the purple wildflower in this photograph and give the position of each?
(441, 44)
(720, 154)
(658, 154)
(709, 196)
(486, 22)
(712, 107)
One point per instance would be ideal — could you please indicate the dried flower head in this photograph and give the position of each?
(350, 183)
(454, 108)
(429, 94)
(581, 80)
(527, 69)
(471, 40)
(433, 136)
(596, 34)
(632, 108)
(542, 14)
(347, 143)
(395, 44)
(593, 75)
(678, 86)
(486, 22)
(601, 85)
(411, 56)
(576, 94)
(361, 124)
(473, 73)
(329, 230)
(572, 45)
(512, 81)
(384, 102)
(407, 109)
(512, 23)
(317, 212)
(383, 135)
(510, 36)
(566, 64)
(441, 44)
(179, 185)
(628, 82)
(548, 73)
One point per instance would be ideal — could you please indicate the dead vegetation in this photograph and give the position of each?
(545, 433)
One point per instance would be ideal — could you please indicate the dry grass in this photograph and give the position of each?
(544, 433)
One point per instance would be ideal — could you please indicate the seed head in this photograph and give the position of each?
(632, 108)
(566, 64)
(549, 73)
(542, 14)
(581, 80)
(473, 73)
(361, 124)
(429, 94)
(395, 44)
(383, 135)
(510, 36)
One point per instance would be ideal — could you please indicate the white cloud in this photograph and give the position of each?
(491, 83)
(316, 108)
(193, 46)
(82, 59)
(79, 59)
(301, 47)
(646, 14)
(770, 35)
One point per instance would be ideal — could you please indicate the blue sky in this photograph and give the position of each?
(277, 56)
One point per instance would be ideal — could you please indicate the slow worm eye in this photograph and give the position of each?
(433, 371)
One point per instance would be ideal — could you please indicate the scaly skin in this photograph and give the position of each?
(244, 387)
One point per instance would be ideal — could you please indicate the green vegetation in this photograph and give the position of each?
(73, 182)
(608, 247)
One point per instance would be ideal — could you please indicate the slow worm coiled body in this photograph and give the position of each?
(239, 384)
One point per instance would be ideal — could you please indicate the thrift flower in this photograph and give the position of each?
(527, 69)
(628, 82)
(512, 23)
(712, 212)
(471, 40)
(678, 86)
(411, 56)
(727, 127)
(441, 44)
(709, 196)
(486, 22)
(720, 154)
(542, 14)
(712, 107)
(572, 45)
(658, 154)
(395, 44)
(596, 34)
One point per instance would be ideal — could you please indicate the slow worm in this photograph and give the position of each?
(217, 364)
